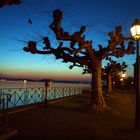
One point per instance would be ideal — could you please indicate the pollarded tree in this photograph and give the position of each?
(9, 2)
(80, 52)
(111, 70)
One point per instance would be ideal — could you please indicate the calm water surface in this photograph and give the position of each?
(27, 84)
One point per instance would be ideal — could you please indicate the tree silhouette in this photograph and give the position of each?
(112, 70)
(80, 52)
(9, 2)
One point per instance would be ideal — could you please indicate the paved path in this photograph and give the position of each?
(72, 120)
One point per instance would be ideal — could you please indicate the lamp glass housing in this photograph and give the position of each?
(135, 30)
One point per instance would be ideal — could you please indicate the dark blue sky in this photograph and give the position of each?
(99, 16)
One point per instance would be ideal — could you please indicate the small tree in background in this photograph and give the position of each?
(80, 52)
(111, 71)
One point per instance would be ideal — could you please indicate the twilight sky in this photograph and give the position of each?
(99, 16)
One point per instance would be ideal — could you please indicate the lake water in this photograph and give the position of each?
(27, 84)
(20, 84)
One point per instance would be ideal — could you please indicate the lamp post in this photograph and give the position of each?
(122, 80)
(47, 85)
(135, 31)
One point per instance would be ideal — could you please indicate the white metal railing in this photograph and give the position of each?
(25, 96)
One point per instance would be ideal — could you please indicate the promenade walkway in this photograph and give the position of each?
(72, 119)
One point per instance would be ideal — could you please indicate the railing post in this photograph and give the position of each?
(47, 84)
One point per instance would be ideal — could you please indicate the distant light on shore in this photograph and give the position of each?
(25, 81)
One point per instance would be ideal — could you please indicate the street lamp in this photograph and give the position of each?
(123, 75)
(135, 31)
(121, 79)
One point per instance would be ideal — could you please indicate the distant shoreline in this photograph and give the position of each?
(43, 80)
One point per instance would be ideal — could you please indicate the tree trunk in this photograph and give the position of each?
(109, 84)
(97, 99)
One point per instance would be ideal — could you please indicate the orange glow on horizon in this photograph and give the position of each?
(38, 75)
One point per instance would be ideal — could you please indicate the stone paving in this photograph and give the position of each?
(71, 119)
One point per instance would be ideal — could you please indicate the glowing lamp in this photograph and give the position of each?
(121, 79)
(135, 29)
(123, 75)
